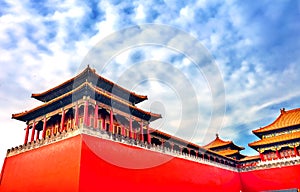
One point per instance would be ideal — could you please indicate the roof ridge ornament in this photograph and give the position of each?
(282, 110)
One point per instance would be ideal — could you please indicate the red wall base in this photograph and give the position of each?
(175, 174)
(53, 167)
(271, 179)
(86, 163)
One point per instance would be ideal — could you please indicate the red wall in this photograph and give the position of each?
(85, 163)
(271, 179)
(174, 174)
(54, 167)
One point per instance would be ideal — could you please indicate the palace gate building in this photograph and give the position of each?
(89, 135)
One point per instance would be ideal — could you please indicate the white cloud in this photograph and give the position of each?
(140, 13)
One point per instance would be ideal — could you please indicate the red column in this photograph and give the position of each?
(26, 135)
(37, 135)
(123, 130)
(86, 113)
(148, 134)
(103, 122)
(130, 128)
(277, 154)
(44, 127)
(76, 115)
(32, 132)
(111, 121)
(62, 121)
(96, 116)
(142, 132)
(261, 156)
(295, 151)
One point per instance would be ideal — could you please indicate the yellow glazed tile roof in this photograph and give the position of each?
(285, 119)
(276, 139)
(228, 152)
(219, 142)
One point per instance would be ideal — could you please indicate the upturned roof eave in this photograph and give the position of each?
(275, 125)
(22, 116)
(43, 96)
(217, 143)
(280, 139)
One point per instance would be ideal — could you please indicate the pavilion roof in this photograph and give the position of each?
(276, 139)
(228, 152)
(177, 139)
(169, 137)
(84, 90)
(89, 75)
(249, 158)
(221, 143)
(285, 119)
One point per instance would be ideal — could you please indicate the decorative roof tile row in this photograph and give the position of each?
(285, 119)
(250, 158)
(221, 143)
(24, 115)
(90, 75)
(228, 152)
(276, 139)
(225, 148)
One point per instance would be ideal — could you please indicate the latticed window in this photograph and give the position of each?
(293, 152)
(273, 155)
(119, 130)
(99, 123)
(115, 129)
(55, 130)
(281, 154)
(80, 121)
(56, 126)
(48, 132)
(69, 124)
(91, 121)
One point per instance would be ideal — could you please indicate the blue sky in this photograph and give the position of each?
(255, 45)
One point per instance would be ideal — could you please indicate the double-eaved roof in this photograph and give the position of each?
(219, 143)
(89, 75)
(286, 119)
(277, 139)
(225, 148)
(88, 83)
(286, 128)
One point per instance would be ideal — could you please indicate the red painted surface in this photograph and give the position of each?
(86, 163)
(109, 172)
(54, 167)
(271, 179)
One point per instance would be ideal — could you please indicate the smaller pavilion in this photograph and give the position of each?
(225, 148)
(280, 139)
